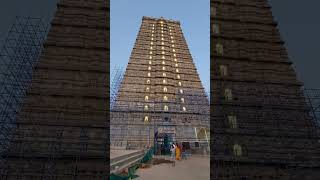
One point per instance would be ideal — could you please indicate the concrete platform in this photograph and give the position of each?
(121, 159)
(194, 168)
(114, 153)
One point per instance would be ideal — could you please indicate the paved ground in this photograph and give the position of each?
(194, 168)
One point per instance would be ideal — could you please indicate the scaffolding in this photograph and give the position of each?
(127, 119)
(268, 125)
(117, 76)
(18, 57)
(313, 101)
(268, 116)
(30, 146)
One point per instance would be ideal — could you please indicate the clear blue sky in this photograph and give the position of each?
(194, 16)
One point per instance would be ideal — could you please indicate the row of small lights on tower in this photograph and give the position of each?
(163, 58)
(237, 149)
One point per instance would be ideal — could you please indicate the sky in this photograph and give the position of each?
(194, 16)
(299, 26)
(298, 23)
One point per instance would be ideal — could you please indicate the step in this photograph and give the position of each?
(119, 163)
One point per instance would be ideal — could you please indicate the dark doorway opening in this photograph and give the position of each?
(163, 143)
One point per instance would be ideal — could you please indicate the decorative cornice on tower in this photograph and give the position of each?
(161, 18)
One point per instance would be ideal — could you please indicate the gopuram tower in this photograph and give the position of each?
(61, 129)
(261, 127)
(161, 97)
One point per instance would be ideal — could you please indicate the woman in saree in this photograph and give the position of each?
(178, 152)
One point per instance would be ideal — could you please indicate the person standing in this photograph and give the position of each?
(173, 151)
(178, 152)
(183, 152)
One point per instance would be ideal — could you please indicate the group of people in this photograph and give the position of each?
(176, 151)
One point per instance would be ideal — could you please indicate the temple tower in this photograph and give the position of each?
(161, 95)
(261, 128)
(62, 128)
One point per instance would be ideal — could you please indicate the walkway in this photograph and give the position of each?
(119, 152)
(194, 168)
